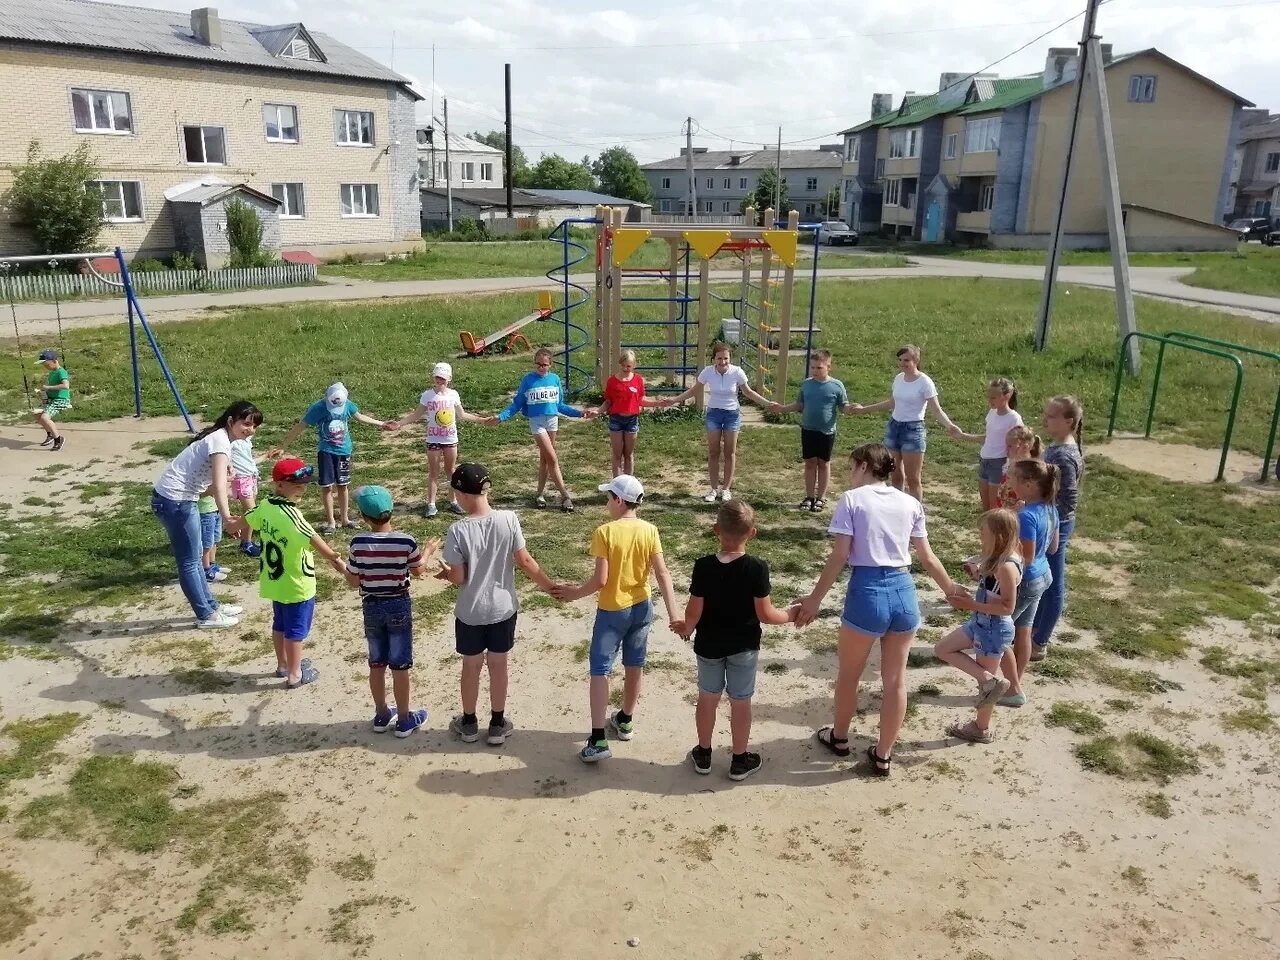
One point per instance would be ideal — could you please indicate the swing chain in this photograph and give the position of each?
(6, 268)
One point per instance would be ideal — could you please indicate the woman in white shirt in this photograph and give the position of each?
(913, 394)
(203, 465)
(1002, 416)
(724, 417)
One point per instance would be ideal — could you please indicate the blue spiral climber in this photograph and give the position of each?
(576, 337)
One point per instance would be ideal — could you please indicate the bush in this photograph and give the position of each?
(149, 265)
(184, 261)
(244, 234)
(51, 200)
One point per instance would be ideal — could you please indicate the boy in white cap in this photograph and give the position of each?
(626, 550)
(441, 407)
(331, 417)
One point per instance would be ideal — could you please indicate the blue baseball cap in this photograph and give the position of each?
(374, 501)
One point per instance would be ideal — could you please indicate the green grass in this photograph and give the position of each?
(1156, 804)
(1255, 719)
(1137, 755)
(1075, 717)
(1129, 643)
(16, 903)
(35, 741)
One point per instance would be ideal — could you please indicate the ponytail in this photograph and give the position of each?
(1072, 409)
(1043, 475)
(1006, 387)
(240, 410)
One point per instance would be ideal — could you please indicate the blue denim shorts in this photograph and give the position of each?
(210, 530)
(881, 600)
(293, 619)
(736, 673)
(991, 470)
(724, 420)
(471, 640)
(905, 437)
(991, 636)
(539, 425)
(624, 424)
(626, 630)
(388, 629)
(332, 468)
(1029, 594)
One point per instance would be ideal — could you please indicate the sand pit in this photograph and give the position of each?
(1183, 463)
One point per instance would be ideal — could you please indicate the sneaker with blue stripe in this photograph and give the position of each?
(411, 722)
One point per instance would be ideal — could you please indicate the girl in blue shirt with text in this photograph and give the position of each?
(1036, 484)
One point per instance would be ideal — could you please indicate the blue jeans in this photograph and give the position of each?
(210, 530)
(626, 630)
(181, 521)
(1055, 598)
(905, 437)
(736, 673)
(388, 628)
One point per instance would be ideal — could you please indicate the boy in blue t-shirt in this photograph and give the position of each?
(331, 417)
(819, 402)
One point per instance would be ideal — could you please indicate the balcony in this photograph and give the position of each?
(979, 164)
(979, 221)
(898, 215)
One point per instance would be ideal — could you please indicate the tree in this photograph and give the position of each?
(52, 200)
(519, 162)
(554, 172)
(832, 204)
(244, 236)
(762, 196)
(620, 175)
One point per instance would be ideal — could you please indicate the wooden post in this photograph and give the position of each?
(673, 290)
(704, 303)
(744, 312)
(762, 318)
(784, 321)
(602, 260)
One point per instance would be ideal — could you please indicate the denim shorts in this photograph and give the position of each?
(332, 468)
(210, 530)
(626, 630)
(293, 619)
(881, 600)
(729, 421)
(388, 629)
(906, 437)
(1029, 594)
(991, 470)
(736, 673)
(539, 425)
(471, 640)
(618, 423)
(991, 636)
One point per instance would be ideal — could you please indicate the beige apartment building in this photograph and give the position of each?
(184, 111)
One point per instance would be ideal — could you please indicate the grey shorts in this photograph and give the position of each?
(990, 471)
(539, 425)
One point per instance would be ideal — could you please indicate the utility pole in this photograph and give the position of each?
(448, 170)
(688, 167)
(509, 178)
(432, 115)
(777, 187)
(1091, 67)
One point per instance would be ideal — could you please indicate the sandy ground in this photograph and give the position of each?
(1186, 464)
(1010, 850)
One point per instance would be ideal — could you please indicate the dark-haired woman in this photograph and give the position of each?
(203, 465)
(875, 527)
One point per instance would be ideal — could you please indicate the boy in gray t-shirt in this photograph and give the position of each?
(480, 554)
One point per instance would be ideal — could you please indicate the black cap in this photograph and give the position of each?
(470, 478)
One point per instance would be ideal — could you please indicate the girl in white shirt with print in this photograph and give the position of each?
(441, 407)
(1003, 416)
(913, 393)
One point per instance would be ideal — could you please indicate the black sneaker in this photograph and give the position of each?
(48, 439)
(701, 757)
(744, 766)
(57, 443)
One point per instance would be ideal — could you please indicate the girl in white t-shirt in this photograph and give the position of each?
(441, 407)
(913, 394)
(723, 417)
(1002, 416)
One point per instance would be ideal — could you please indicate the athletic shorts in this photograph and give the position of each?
(332, 468)
(539, 425)
(56, 406)
(473, 639)
(816, 445)
(293, 619)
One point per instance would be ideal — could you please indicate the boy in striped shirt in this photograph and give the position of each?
(380, 564)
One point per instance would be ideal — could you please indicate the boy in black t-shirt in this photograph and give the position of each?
(728, 600)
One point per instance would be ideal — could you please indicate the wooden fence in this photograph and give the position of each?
(47, 286)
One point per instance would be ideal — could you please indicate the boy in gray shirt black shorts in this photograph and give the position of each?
(480, 552)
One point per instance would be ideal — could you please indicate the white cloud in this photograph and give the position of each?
(636, 73)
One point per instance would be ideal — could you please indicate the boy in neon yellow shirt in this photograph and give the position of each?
(626, 550)
(287, 568)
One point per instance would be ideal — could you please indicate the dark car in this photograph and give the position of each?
(1251, 228)
(1272, 238)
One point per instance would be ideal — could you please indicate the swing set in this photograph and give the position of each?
(8, 266)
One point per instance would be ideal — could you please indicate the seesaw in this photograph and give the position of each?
(474, 346)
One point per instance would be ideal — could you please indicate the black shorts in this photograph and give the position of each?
(332, 468)
(817, 445)
(492, 637)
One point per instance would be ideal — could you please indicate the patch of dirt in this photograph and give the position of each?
(1183, 463)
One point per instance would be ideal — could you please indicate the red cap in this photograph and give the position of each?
(291, 468)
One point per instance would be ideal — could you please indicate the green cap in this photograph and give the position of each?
(374, 501)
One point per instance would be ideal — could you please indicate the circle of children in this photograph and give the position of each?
(1029, 497)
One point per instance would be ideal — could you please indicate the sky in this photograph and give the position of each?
(587, 76)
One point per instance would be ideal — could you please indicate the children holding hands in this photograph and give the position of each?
(820, 400)
(1003, 416)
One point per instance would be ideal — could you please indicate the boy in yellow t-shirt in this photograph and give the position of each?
(626, 550)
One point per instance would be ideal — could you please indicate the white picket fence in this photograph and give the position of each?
(47, 286)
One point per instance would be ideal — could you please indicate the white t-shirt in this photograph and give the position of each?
(188, 474)
(994, 446)
(441, 418)
(882, 521)
(242, 462)
(723, 388)
(911, 397)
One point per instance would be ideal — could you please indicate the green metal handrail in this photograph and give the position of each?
(1155, 386)
(1266, 354)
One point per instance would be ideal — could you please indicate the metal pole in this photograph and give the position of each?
(448, 172)
(1055, 237)
(777, 186)
(510, 174)
(688, 167)
(813, 299)
(155, 347)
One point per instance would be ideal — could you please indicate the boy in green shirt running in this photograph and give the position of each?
(287, 568)
(57, 398)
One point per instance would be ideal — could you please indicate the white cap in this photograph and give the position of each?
(336, 396)
(624, 488)
(442, 370)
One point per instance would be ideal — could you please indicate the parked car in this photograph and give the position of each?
(1272, 238)
(1251, 228)
(835, 232)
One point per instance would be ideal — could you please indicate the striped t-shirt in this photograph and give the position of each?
(382, 561)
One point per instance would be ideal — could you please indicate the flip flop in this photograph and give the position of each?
(281, 674)
(827, 737)
(309, 675)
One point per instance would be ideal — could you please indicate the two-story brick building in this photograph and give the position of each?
(187, 108)
(725, 177)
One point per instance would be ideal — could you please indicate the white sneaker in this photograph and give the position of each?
(711, 496)
(432, 510)
(230, 609)
(217, 620)
(726, 494)
(217, 576)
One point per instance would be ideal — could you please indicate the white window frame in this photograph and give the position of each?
(711, 183)
(879, 168)
(987, 197)
(949, 146)
(892, 192)
(280, 127)
(101, 185)
(1142, 88)
(204, 146)
(343, 126)
(811, 183)
(897, 144)
(742, 183)
(666, 183)
(486, 171)
(110, 129)
(726, 206)
(286, 207)
(468, 171)
(913, 143)
(1272, 163)
(983, 135)
(664, 206)
(347, 195)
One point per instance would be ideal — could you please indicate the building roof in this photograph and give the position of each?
(1006, 93)
(752, 160)
(588, 198)
(207, 193)
(493, 197)
(1268, 129)
(80, 24)
(456, 142)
